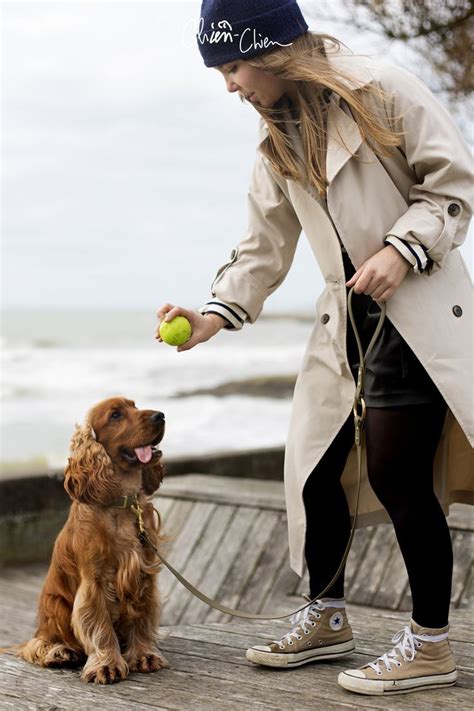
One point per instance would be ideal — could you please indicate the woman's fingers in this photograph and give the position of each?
(193, 341)
(385, 296)
(163, 310)
(173, 312)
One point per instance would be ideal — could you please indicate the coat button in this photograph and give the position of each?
(324, 318)
(453, 209)
(457, 310)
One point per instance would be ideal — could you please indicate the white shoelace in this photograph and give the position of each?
(302, 618)
(406, 642)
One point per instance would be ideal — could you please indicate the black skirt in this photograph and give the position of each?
(394, 376)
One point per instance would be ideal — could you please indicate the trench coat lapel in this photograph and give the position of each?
(344, 138)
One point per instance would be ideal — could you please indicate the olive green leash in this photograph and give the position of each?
(359, 417)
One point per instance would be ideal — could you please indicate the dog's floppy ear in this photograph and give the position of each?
(152, 476)
(89, 475)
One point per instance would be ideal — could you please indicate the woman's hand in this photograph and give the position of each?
(203, 327)
(381, 274)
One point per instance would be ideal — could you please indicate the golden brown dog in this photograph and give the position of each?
(100, 604)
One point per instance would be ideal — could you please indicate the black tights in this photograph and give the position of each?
(401, 444)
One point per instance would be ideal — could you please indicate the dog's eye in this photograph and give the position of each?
(116, 415)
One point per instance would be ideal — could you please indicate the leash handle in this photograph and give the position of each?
(358, 426)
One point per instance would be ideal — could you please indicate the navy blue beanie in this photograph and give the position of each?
(241, 29)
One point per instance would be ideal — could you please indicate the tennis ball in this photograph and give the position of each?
(176, 332)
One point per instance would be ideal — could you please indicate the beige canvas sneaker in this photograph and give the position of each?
(320, 631)
(420, 659)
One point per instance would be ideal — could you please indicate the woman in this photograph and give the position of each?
(358, 154)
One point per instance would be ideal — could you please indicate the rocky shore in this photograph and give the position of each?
(275, 386)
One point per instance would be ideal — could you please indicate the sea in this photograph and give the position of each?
(56, 364)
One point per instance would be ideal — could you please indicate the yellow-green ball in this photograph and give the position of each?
(176, 332)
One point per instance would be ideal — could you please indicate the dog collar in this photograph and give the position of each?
(125, 502)
(131, 502)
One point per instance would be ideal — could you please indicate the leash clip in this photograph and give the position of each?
(359, 419)
(359, 401)
(138, 511)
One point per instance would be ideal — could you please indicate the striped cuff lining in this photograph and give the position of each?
(414, 253)
(233, 314)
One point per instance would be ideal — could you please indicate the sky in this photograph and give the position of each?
(125, 161)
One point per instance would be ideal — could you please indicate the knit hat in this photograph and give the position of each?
(241, 29)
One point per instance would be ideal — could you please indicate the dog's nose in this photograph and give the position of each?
(157, 417)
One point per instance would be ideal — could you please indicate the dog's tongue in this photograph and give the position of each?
(144, 454)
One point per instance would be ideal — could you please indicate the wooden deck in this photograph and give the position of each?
(230, 539)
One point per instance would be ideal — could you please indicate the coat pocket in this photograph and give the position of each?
(222, 270)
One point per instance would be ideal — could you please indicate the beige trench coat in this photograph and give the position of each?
(423, 195)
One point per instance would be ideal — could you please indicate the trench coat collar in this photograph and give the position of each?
(344, 136)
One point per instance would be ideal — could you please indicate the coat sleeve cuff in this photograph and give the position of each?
(413, 253)
(234, 315)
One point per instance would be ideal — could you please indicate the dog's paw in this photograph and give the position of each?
(105, 673)
(61, 656)
(50, 654)
(148, 663)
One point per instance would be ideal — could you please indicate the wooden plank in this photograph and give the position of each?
(254, 544)
(222, 562)
(467, 598)
(406, 603)
(360, 544)
(164, 505)
(285, 582)
(372, 567)
(179, 513)
(177, 516)
(463, 549)
(269, 564)
(461, 516)
(302, 584)
(237, 491)
(284, 605)
(186, 541)
(198, 562)
(394, 582)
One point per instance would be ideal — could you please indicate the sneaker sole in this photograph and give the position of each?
(282, 661)
(374, 687)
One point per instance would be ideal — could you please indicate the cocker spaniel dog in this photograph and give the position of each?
(100, 605)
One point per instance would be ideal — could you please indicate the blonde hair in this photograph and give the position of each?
(305, 62)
